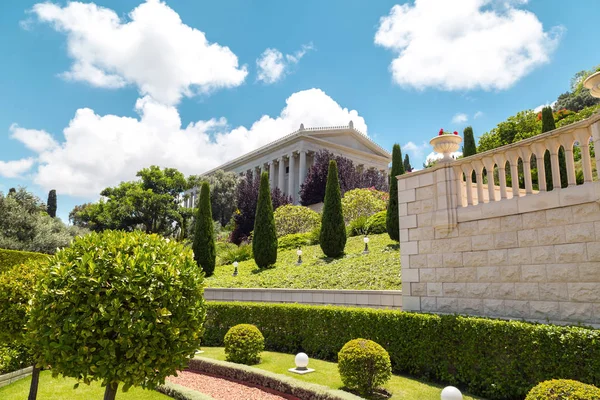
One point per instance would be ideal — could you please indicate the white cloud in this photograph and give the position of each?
(273, 65)
(153, 50)
(478, 114)
(417, 151)
(33, 139)
(14, 169)
(539, 108)
(100, 151)
(460, 118)
(464, 45)
(436, 156)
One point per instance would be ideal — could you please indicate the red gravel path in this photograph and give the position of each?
(223, 389)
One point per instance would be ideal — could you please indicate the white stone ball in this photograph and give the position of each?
(301, 360)
(451, 393)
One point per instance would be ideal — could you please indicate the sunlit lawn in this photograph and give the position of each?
(326, 373)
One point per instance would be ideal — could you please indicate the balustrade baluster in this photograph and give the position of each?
(489, 168)
(468, 171)
(501, 162)
(540, 150)
(513, 160)
(567, 141)
(526, 157)
(583, 137)
(554, 146)
(478, 165)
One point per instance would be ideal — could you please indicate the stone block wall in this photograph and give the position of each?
(535, 259)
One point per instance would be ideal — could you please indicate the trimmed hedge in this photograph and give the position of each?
(255, 376)
(559, 389)
(497, 359)
(10, 258)
(179, 392)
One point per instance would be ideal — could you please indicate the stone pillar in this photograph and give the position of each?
(272, 174)
(291, 180)
(302, 169)
(281, 171)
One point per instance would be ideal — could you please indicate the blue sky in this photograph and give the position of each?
(92, 92)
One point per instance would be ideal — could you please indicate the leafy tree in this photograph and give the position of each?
(223, 187)
(205, 253)
(264, 241)
(469, 147)
(25, 225)
(17, 287)
(126, 308)
(407, 166)
(12, 191)
(333, 230)
(548, 124)
(372, 178)
(52, 203)
(578, 97)
(278, 198)
(392, 221)
(517, 127)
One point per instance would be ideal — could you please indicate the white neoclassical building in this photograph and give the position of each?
(288, 159)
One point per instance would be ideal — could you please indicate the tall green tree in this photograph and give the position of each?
(333, 230)
(469, 147)
(406, 164)
(223, 187)
(548, 124)
(52, 203)
(392, 222)
(205, 252)
(264, 240)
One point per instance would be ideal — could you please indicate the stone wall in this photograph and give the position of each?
(535, 257)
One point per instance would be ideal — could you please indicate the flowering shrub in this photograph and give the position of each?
(363, 203)
(290, 219)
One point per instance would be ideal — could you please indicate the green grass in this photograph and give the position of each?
(62, 389)
(326, 373)
(377, 270)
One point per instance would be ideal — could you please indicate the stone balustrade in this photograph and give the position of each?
(519, 158)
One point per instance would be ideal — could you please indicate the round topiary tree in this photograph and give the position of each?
(333, 229)
(205, 253)
(364, 366)
(118, 308)
(243, 344)
(559, 389)
(17, 286)
(264, 240)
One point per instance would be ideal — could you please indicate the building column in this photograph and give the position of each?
(291, 180)
(272, 174)
(281, 171)
(302, 168)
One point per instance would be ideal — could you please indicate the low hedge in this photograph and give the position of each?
(179, 392)
(281, 383)
(497, 359)
(10, 258)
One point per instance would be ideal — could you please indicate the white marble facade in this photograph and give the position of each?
(287, 160)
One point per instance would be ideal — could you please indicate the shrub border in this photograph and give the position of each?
(179, 392)
(278, 382)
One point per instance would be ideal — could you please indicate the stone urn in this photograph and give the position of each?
(446, 144)
(593, 83)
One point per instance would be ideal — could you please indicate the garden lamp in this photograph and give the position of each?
(235, 271)
(301, 362)
(366, 240)
(299, 253)
(451, 393)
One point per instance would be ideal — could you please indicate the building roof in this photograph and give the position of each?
(306, 132)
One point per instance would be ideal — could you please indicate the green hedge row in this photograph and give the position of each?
(10, 258)
(497, 359)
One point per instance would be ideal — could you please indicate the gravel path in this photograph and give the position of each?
(224, 389)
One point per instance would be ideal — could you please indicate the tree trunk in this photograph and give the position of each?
(111, 391)
(35, 379)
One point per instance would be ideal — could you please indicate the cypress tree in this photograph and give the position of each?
(406, 165)
(204, 239)
(548, 124)
(392, 223)
(52, 203)
(12, 191)
(264, 240)
(333, 230)
(469, 147)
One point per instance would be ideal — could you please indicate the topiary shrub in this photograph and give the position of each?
(204, 240)
(376, 223)
(243, 344)
(290, 219)
(559, 389)
(295, 240)
(364, 366)
(332, 237)
(363, 203)
(264, 236)
(118, 307)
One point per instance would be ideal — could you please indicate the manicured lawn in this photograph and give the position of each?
(62, 389)
(326, 373)
(377, 270)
